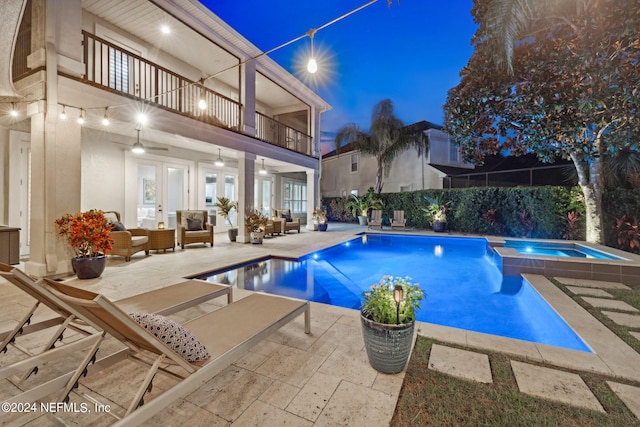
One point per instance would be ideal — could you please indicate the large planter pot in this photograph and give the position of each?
(322, 227)
(233, 234)
(362, 220)
(388, 346)
(89, 268)
(256, 237)
(439, 226)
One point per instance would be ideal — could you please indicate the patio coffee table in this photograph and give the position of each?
(278, 226)
(162, 239)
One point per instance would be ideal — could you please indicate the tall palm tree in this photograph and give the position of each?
(387, 138)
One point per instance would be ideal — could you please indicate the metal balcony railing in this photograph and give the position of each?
(118, 70)
(277, 133)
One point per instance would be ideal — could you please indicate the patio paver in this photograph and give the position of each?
(553, 384)
(630, 395)
(630, 320)
(587, 283)
(594, 292)
(608, 303)
(459, 363)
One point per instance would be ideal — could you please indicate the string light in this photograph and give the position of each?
(202, 103)
(312, 65)
(263, 171)
(13, 112)
(105, 119)
(81, 117)
(63, 115)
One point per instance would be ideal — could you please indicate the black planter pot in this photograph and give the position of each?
(439, 226)
(388, 346)
(89, 268)
(322, 227)
(233, 234)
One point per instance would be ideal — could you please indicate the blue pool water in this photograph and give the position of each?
(557, 250)
(465, 289)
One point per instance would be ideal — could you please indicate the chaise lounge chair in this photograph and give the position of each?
(227, 333)
(376, 219)
(165, 301)
(398, 220)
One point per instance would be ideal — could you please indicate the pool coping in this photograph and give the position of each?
(611, 355)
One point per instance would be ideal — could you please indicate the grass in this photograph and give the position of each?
(431, 398)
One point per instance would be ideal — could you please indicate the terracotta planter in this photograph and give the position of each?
(89, 268)
(388, 346)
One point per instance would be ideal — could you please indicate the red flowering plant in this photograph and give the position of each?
(88, 233)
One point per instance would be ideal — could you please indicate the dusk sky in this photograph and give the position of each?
(411, 52)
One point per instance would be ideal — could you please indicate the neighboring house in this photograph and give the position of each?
(114, 59)
(348, 171)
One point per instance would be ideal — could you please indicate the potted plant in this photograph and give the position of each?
(388, 319)
(224, 206)
(360, 206)
(436, 212)
(256, 223)
(320, 219)
(89, 234)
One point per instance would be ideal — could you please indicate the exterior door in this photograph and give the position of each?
(162, 189)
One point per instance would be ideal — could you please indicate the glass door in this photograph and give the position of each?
(162, 189)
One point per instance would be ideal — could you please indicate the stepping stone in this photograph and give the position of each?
(463, 364)
(552, 384)
(609, 303)
(591, 283)
(589, 291)
(630, 395)
(630, 320)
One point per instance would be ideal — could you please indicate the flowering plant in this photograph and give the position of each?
(380, 306)
(88, 233)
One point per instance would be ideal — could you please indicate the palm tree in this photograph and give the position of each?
(387, 138)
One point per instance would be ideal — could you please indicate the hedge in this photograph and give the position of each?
(537, 212)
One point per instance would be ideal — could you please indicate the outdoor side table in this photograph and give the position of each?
(162, 239)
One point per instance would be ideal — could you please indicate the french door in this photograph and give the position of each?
(161, 189)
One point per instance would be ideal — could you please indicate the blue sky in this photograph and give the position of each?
(411, 52)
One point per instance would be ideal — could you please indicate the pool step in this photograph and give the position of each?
(342, 291)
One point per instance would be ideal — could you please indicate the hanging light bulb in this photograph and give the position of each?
(142, 119)
(263, 171)
(81, 117)
(202, 103)
(105, 119)
(13, 112)
(219, 162)
(312, 65)
(63, 115)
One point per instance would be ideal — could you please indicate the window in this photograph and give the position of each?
(453, 152)
(295, 197)
(354, 163)
(118, 70)
(210, 189)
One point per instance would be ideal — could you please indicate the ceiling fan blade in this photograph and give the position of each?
(157, 148)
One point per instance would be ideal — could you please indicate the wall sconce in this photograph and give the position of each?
(161, 225)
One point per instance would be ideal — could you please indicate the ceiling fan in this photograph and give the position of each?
(138, 148)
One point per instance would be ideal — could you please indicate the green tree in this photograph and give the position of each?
(573, 93)
(387, 138)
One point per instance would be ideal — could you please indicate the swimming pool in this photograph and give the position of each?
(465, 288)
(562, 250)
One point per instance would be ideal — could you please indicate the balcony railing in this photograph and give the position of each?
(277, 133)
(118, 70)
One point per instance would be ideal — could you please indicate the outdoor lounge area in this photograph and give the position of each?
(289, 377)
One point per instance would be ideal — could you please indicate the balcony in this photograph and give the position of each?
(117, 70)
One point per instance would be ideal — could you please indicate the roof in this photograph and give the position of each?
(500, 163)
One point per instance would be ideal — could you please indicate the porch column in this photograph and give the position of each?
(55, 186)
(246, 176)
(248, 96)
(313, 200)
